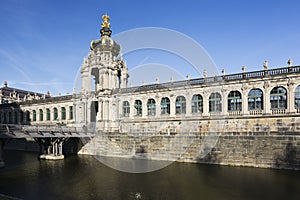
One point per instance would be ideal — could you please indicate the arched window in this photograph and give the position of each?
(4, 118)
(215, 102)
(34, 115)
(165, 106)
(48, 114)
(10, 119)
(278, 98)
(197, 103)
(255, 99)
(297, 97)
(234, 101)
(151, 107)
(27, 116)
(126, 108)
(70, 112)
(16, 117)
(63, 113)
(41, 115)
(21, 116)
(180, 105)
(138, 107)
(55, 114)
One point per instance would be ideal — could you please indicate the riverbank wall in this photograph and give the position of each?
(264, 142)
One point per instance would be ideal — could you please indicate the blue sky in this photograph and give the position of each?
(42, 43)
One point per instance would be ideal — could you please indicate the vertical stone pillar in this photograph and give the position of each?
(267, 104)
(86, 110)
(224, 94)
(104, 109)
(132, 109)
(109, 79)
(106, 79)
(157, 106)
(291, 98)
(86, 85)
(245, 110)
(60, 144)
(45, 114)
(51, 114)
(114, 79)
(67, 107)
(205, 104)
(144, 107)
(188, 104)
(172, 105)
(107, 109)
(100, 111)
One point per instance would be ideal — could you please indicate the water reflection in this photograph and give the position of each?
(84, 177)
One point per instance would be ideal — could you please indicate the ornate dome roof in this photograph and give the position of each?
(105, 43)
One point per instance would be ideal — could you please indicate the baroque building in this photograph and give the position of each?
(255, 114)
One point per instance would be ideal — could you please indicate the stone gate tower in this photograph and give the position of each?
(102, 72)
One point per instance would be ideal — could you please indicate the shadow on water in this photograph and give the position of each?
(83, 177)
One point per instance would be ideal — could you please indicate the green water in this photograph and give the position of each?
(83, 177)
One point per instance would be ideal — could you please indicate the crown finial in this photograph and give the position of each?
(105, 26)
(105, 23)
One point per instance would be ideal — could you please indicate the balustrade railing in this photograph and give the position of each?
(234, 113)
(199, 81)
(215, 113)
(278, 111)
(255, 112)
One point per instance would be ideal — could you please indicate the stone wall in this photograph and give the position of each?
(266, 142)
(278, 150)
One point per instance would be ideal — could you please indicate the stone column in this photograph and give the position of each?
(60, 144)
(100, 110)
(87, 111)
(106, 79)
(172, 105)
(86, 85)
(224, 94)
(144, 107)
(205, 104)
(109, 79)
(104, 109)
(157, 106)
(108, 104)
(267, 105)
(188, 104)
(245, 110)
(114, 79)
(45, 114)
(291, 98)
(132, 109)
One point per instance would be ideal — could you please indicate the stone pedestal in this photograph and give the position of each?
(51, 157)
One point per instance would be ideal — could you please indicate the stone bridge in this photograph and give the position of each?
(50, 138)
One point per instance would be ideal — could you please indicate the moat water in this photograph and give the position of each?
(84, 177)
